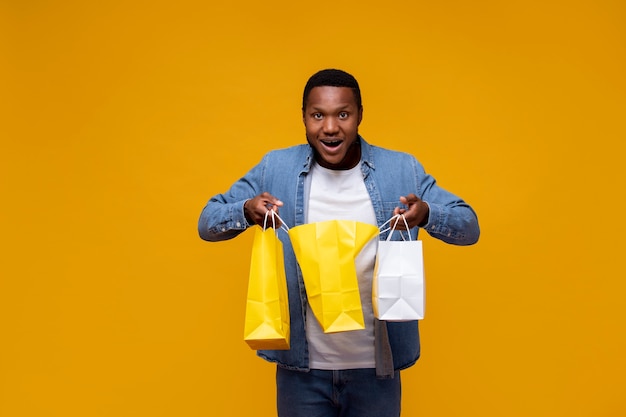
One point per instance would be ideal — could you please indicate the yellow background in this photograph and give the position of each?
(120, 119)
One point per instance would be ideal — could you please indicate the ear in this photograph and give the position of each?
(360, 116)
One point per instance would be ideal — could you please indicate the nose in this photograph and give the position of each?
(330, 126)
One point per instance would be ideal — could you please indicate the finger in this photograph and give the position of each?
(270, 201)
(409, 199)
(273, 205)
(276, 220)
(399, 223)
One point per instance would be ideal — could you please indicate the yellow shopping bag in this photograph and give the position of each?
(267, 307)
(325, 252)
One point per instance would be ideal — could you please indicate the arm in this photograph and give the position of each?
(222, 218)
(227, 215)
(442, 214)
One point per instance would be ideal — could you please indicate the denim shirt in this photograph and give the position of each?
(387, 175)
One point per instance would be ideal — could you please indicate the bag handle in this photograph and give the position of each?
(274, 216)
(392, 229)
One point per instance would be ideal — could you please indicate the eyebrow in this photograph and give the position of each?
(342, 108)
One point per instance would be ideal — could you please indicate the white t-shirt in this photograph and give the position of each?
(341, 195)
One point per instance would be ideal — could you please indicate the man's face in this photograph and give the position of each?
(331, 118)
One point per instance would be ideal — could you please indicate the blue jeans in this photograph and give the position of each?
(346, 393)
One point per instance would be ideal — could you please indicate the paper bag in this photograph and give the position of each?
(398, 287)
(325, 252)
(267, 308)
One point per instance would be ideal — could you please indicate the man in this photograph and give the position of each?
(339, 176)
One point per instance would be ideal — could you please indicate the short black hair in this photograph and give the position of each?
(332, 78)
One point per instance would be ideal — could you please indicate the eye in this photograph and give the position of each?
(343, 115)
(317, 116)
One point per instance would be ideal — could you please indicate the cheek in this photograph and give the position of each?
(351, 127)
(310, 128)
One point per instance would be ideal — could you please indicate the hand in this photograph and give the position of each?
(415, 215)
(256, 207)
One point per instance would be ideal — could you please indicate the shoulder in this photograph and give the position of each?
(286, 159)
(389, 158)
(295, 152)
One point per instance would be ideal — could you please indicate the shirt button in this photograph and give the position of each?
(223, 229)
(238, 224)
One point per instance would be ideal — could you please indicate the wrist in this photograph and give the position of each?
(247, 214)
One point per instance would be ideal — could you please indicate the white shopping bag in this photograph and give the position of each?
(398, 286)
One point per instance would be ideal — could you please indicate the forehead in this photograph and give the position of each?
(331, 97)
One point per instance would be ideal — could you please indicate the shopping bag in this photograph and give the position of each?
(325, 252)
(398, 285)
(267, 308)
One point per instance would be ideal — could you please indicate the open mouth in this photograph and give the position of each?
(331, 143)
